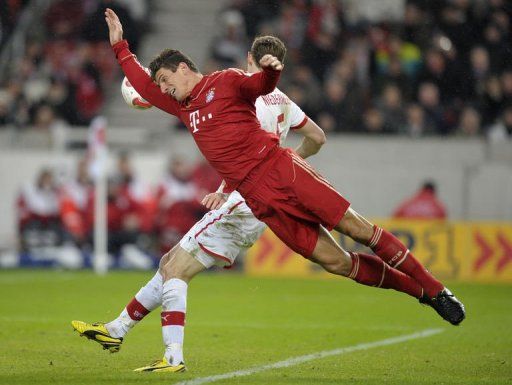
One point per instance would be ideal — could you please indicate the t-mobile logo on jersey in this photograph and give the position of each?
(195, 119)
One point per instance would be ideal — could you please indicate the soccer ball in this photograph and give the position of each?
(132, 97)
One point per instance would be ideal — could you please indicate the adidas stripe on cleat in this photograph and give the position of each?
(162, 366)
(99, 333)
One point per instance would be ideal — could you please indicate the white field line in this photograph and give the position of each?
(313, 356)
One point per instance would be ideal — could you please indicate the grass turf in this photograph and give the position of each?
(236, 322)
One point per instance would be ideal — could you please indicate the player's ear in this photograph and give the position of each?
(183, 67)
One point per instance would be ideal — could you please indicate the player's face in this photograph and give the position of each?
(172, 83)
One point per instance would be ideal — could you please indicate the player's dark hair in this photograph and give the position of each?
(264, 45)
(170, 59)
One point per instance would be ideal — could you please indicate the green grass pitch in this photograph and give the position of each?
(236, 322)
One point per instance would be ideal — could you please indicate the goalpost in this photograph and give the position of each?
(97, 156)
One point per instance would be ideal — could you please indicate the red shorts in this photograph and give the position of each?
(293, 199)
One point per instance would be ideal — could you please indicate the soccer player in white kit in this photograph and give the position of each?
(217, 239)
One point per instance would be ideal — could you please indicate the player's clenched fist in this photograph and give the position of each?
(115, 29)
(272, 62)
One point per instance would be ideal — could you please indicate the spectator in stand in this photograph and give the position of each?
(137, 192)
(391, 107)
(373, 122)
(38, 212)
(123, 221)
(416, 124)
(423, 205)
(506, 86)
(76, 206)
(416, 25)
(456, 24)
(395, 48)
(491, 101)
(343, 107)
(499, 49)
(502, 130)
(303, 78)
(470, 122)
(323, 35)
(428, 99)
(393, 74)
(291, 26)
(231, 42)
(443, 74)
(479, 71)
(178, 203)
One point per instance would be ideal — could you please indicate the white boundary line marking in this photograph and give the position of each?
(313, 356)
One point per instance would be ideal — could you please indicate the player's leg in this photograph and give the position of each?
(147, 299)
(363, 268)
(392, 251)
(110, 335)
(177, 271)
(295, 191)
(389, 248)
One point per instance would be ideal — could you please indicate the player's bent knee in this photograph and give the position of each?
(181, 265)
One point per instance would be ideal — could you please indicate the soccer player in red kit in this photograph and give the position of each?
(282, 190)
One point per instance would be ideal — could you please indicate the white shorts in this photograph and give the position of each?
(222, 234)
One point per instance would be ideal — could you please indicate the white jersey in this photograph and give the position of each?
(277, 114)
(222, 234)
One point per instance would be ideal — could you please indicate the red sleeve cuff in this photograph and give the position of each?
(301, 124)
(122, 51)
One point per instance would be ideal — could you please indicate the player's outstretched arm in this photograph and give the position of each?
(314, 139)
(135, 73)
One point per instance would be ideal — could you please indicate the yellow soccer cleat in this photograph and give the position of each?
(162, 366)
(99, 333)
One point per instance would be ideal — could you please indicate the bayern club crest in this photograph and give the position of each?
(210, 95)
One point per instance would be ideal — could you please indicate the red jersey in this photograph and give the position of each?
(423, 205)
(219, 113)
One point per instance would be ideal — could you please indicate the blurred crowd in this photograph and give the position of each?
(54, 210)
(443, 68)
(10, 11)
(67, 62)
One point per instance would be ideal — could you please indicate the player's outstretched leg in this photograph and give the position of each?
(370, 270)
(110, 335)
(363, 268)
(392, 251)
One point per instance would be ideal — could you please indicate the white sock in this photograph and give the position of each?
(147, 299)
(174, 306)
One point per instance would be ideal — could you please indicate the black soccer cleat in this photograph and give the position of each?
(446, 305)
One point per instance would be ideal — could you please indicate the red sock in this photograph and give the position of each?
(370, 270)
(393, 252)
(136, 311)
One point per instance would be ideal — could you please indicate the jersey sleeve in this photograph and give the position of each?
(298, 118)
(252, 86)
(141, 81)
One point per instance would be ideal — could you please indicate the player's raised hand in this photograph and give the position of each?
(272, 62)
(213, 201)
(115, 28)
